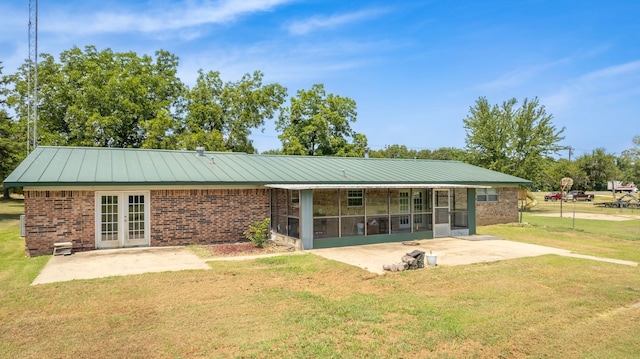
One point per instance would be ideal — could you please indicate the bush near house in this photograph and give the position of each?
(258, 232)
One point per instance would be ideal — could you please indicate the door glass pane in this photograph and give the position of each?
(136, 217)
(109, 227)
(404, 202)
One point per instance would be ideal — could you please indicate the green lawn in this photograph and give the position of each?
(612, 239)
(307, 307)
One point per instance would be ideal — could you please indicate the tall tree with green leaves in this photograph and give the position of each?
(11, 151)
(103, 98)
(221, 115)
(319, 124)
(600, 168)
(510, 139)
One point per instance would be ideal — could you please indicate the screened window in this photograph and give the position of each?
(326, 202)
(487, 195)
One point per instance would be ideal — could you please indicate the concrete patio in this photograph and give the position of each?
(450, 251)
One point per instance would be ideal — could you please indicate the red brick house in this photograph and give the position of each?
(110, 198)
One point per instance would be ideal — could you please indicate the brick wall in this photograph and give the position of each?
(58, 216)
(178, 217)
(181, 217)
(503, 211)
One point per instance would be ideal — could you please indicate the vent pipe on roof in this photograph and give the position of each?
(344, 173)
(213, 162)
(366, 152)
(200, 151)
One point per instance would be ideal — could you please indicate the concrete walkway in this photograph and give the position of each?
(117, 262)
(450, 252)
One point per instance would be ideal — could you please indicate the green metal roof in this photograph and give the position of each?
(79, 166)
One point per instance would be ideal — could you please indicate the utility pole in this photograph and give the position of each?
(32, 80)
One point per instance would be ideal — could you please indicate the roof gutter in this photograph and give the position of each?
(372, 185)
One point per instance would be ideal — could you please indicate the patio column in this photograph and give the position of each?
(306, 218)
(471, 208)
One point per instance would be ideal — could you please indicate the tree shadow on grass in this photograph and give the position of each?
(11, 208)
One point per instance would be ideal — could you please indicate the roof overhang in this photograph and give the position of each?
(371, 185)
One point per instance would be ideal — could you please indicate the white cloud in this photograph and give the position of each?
(613, 71)
(607, 88)
(520, 76)
(295, 64)
(160, 19)
(306, 26)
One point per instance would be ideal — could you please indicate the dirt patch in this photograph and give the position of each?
(242, 249)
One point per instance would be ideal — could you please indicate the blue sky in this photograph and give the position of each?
(413, 67)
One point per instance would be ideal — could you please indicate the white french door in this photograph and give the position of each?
(441, 217)
(122, 219)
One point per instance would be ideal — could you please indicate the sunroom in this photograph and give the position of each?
(320, 216)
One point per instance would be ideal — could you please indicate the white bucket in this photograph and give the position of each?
(360, 228)
(431, 260)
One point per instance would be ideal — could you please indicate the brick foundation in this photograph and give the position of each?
(503, 211)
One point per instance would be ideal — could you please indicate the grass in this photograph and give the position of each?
(612, 239)
(305, 306)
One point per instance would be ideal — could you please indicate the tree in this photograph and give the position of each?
(317, 124)
(446, 153)
(220, 116)
(10, 149)
(102, 98)
(272, 151)
(511, 140)
(401, 151)
(629, 162)
(393, 151)
(600, 168)
(554, 171)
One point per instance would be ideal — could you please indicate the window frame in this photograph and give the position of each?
(487, 195)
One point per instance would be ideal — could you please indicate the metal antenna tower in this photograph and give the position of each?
(32, 80)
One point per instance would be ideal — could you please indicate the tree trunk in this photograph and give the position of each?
(5, 192)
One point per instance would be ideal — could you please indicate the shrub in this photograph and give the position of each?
(258, 232)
